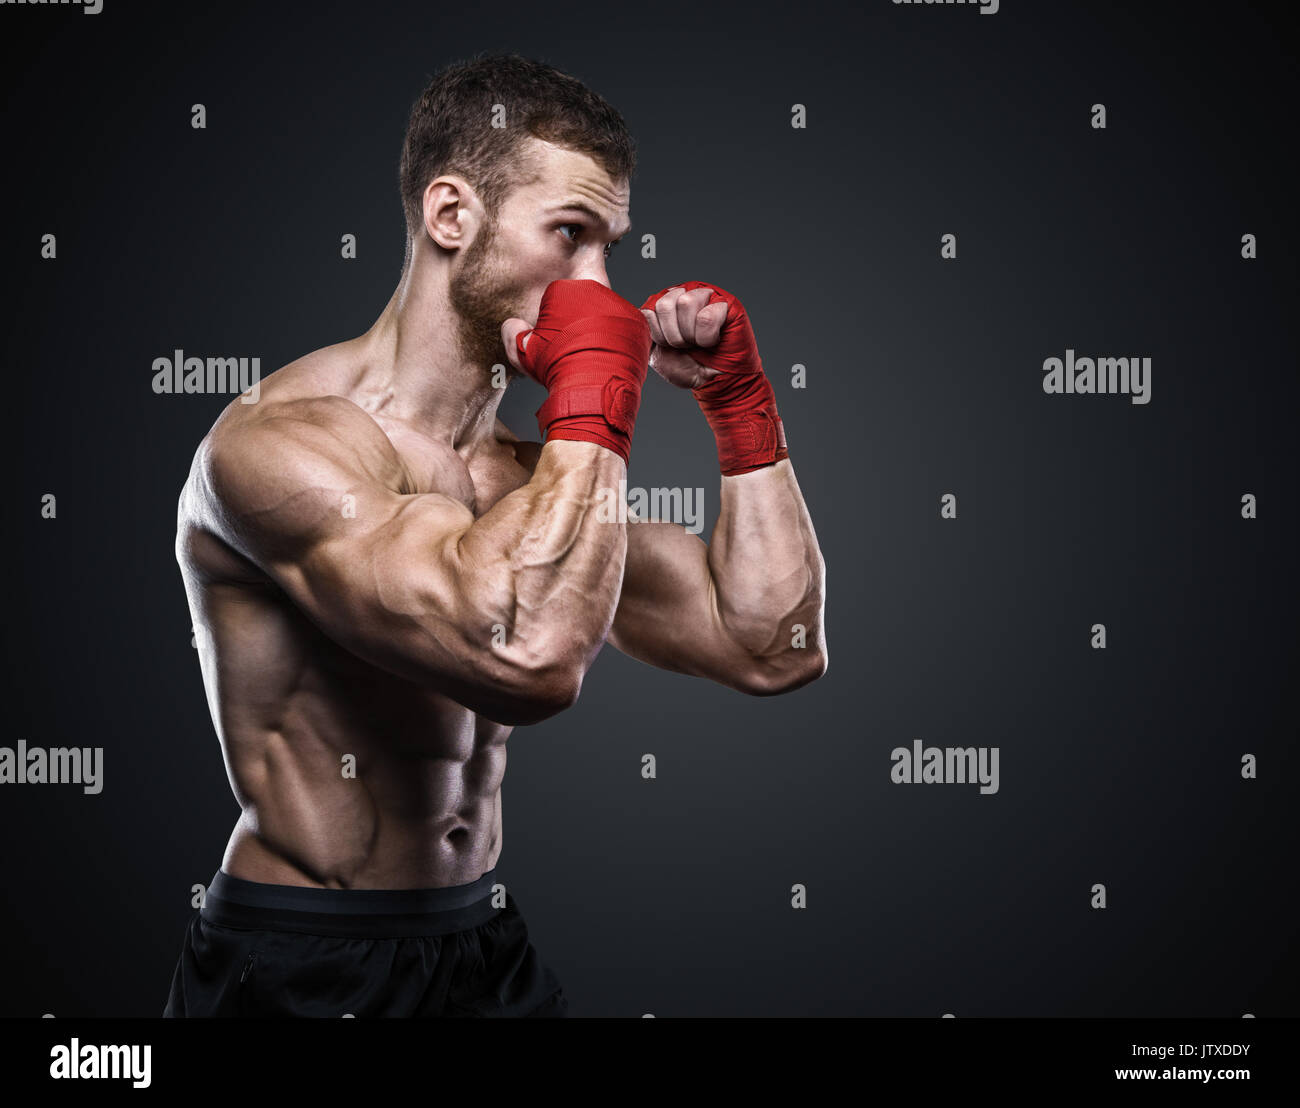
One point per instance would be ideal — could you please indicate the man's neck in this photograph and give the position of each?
(415, 373)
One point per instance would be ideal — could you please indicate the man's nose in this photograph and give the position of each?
(594, 271)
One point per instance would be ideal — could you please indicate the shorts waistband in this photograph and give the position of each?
(360, 913)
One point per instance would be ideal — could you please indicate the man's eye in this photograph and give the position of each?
(578, 227)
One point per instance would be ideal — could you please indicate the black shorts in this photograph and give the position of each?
(254, 949)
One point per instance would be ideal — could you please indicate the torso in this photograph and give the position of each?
(418, 805)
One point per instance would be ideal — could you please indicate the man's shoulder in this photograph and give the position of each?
(300, 401)
(279, 429)
(290, 447)
(299, 392)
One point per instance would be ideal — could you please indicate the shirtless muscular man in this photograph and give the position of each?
(385, 581)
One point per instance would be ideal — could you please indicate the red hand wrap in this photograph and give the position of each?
(590, 351)
(739, 402)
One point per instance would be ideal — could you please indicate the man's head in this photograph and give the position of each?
(502, 156)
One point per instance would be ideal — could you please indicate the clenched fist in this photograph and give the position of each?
(703, 341)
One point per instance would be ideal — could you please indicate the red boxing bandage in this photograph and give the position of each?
(739, 402)
(590, 351)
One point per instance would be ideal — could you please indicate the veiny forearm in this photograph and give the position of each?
(544, 566)
(768, 571)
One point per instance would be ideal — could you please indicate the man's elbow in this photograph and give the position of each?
(536, 695)
(792, 671)
(555, 690)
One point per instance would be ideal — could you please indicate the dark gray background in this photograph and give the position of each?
(673, 896)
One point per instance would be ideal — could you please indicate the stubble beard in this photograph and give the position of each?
(484, 299)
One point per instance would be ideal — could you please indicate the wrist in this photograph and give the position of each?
(745, 423)
(591, 429)
(600, 412)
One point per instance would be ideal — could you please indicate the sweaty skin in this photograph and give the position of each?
(384, 580)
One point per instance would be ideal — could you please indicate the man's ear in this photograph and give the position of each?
(451, 212)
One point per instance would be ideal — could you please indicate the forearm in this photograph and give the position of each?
(546, 562)
(768, 572)
(549, 557)
(751, 602)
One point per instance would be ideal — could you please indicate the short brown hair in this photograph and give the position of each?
(450, 129)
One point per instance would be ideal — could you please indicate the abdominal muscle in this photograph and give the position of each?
(349, 777)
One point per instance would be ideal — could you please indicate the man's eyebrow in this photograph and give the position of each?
(586, 209)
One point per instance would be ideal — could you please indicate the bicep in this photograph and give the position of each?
(667, 613)
(384, 583)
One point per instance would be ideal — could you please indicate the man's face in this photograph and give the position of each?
(560, 227)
